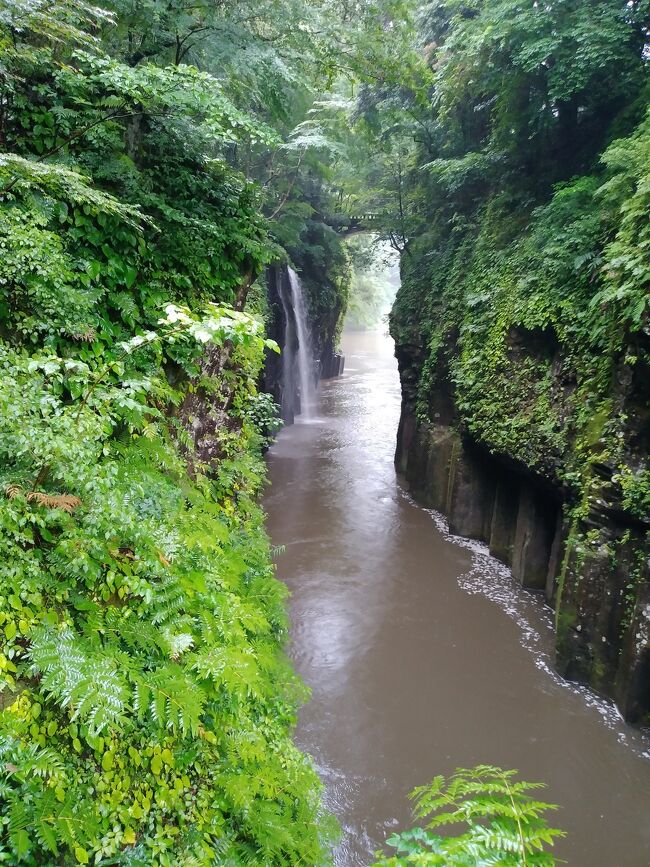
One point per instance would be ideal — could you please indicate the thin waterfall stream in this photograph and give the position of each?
(298, 364)
(304, 354)
(421, 651)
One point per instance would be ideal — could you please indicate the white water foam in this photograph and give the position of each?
(492, 579)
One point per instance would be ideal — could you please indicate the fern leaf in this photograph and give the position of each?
(173, 700)
(505, 826)
(85, 682)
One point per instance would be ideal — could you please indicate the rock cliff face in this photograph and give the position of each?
(561, 518)
(323, 266)
(324, 326)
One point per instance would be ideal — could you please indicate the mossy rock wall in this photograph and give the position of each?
(532, 435)
(325, 287)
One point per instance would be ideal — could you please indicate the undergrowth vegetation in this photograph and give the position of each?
(505, 826)
(146, 705)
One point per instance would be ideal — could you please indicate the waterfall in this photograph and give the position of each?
(304, 355)
(292, 377)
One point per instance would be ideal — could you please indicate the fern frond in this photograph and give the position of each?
(171, 698)
(86, 683)
(234, 667)
(13, 490)
(178, 642)
(505, 827)
(28, 760)
(169, 601)
(67, 502)
(64, 183)
(136, 635)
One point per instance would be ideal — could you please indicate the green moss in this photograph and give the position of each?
(635, 487)
(595, 426)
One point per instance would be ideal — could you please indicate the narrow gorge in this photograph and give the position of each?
(419, 646)
(324, 433)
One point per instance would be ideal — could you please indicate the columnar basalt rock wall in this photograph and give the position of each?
(515, 517)
(602, 635)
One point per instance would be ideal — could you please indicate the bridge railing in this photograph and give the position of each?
(364, 218)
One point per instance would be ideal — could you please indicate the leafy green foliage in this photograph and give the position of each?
(117, 193)
(504, 824)
(264, 414)
(146, 706)
(141, 624)
(626, 192)
(524, 283)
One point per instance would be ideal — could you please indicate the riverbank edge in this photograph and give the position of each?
(600, 639)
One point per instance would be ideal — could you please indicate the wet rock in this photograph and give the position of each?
(472, 488)
(604, 617)
(534, 534)
(504, 519)
(632, 686)
(594, 573)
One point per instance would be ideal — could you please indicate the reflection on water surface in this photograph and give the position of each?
(421, 653)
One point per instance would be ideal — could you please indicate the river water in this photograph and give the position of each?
(421, 653)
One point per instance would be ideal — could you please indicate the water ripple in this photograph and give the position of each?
(492, 579)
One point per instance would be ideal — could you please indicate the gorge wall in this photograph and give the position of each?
(538, 447)
(322, 266)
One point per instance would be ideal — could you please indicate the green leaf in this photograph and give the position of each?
(130, 275)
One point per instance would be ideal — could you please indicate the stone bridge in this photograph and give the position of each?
(351, 224)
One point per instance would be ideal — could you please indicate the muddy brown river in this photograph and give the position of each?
(421, 652)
